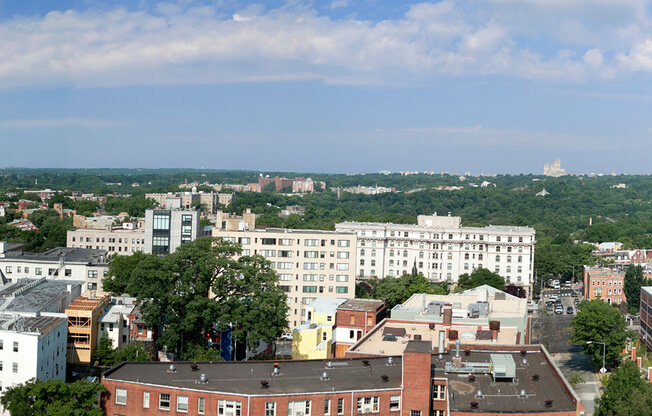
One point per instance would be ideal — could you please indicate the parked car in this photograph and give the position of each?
(286, 336)
(553, 298)
(559, 310)
(569, 310)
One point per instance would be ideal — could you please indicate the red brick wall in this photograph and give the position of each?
(135, 401)
(416, 383)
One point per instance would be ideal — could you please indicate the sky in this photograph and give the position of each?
(336, 86)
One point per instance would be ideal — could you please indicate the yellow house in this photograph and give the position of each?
(314, 339)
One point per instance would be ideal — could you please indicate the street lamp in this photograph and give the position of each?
(604, 347)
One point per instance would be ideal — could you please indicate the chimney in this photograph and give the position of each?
(448, 314)
(633, 353)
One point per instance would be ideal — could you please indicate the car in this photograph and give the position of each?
(559, 310)
(569, 310)
(286, 336)
(553, 298)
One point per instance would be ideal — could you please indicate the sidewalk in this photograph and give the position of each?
(580, 363)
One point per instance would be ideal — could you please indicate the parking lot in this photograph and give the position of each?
(565, 295)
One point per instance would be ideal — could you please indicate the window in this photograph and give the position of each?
(394, 403)
(121, 396)
(415, 412)
(92, 274)
(201, 404)
(310, 289)
(38, 271)
(342, 266)
(228, 408)
(299, 408)
(327, 407)
(342, 254)
(310, 266)
(164, 401)
(311, 243)
(343, 243)
(270, 408)
(8, 269)
(368, 404)
(439, 392)
(268, 253)
(146, 399)
(341, 289)
(340, 406)
(15, 367)
(341, 278)
(268, 241)
(284, 265)
(1, 365)
(182, 404)
(309, 277)
(2, 344)
(15, 346)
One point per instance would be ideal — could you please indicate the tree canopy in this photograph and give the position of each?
(398, 290)
(634, 280)
(626, 393)
(479, 277)
(202, 289)
(598, 321)
(106, 355)
(53, 397)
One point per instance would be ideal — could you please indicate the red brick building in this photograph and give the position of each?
(417, 383)
(645, 331)
(354, 319)
(607, 283)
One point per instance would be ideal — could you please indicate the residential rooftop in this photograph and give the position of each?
(61, 254)
(326, 306)
(301, 376)
(36, 324)
(34, 295)
(365, 305)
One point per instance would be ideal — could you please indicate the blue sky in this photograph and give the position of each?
(498, 86)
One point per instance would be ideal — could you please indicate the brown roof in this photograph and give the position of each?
(369, 305)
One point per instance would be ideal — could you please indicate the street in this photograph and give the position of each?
(553, 331)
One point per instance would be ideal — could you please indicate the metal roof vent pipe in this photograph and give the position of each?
(478, 394)
(324, 376)
(523, 394)
(390, 361)
(457, 348)
(329, 364)
(276, 371)
(172, 369)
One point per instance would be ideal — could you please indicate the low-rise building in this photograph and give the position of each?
(38, 295)
(486, 381)
(607, 283)
(483, 315)
(310, 264)
(115, 323)
(66, 263)
(32, 346)
(124, 239)
(354, 319)
(314, 339)
(83, 326)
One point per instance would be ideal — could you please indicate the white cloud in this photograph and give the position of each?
(183, 44)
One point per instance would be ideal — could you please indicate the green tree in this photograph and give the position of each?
(479, 277)
(202, 288)
(53, 397)
(626, 393)
(598, 321)
(398, 290)
(633, 281)
(103, 353)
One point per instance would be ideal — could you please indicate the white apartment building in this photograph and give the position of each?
(310, 264)
(64, 263)
(32, 346)
(122, 240)
(442, 249)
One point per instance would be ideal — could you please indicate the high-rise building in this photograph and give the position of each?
(441, 249)
(168, 228)
(554, 169)
(310, 264)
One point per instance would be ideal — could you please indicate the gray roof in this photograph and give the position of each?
(33, 295)
(41, 324)
(66, 254)
(301, 376)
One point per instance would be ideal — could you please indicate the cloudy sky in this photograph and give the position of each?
(328, 86)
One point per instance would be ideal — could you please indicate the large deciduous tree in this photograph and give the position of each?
(633, 281)
(202, 288)
(626, 393)
(53, 397)
(398, 290)
(598, 321)
(479, 277)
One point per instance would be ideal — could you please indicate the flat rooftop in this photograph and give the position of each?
(416, 227)
(287, 231)
(82, 303)
(66, 254)
(41, 324)
(299, 376)
(33, 295)
(505, 396)
(368, 305)
(391, 337)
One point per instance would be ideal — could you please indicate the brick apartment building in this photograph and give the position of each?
(645, 332)
(607, 283)
(521, 381)
(354, 319)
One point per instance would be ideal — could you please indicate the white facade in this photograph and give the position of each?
(310, 264)
(65, 263)
(123, 241)
(168, 228)
(442, 249)
(32, 346)
(115, 324)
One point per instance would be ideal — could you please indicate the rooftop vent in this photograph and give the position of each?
(549, 403)
(329, 364)
(478, 394)
(474, 404)
(385, 378)
(276, 371)
(524, 361)
(194, 366)
(202, 379)
(390, 361)
(264, 384)
(535, 377)
(471, 378)
(365, 363)
(324, 376)
(172, 369)
(523, 394)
